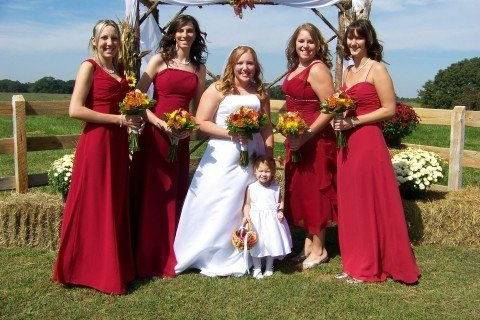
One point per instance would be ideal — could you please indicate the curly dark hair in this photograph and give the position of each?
(167, 46)
(362, 28)
(322, 54)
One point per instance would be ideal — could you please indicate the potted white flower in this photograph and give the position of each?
(416, 170)
(60, 174)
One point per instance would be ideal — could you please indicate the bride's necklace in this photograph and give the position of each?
(361, 67)
(186, 62)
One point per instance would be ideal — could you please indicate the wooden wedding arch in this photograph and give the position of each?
(346, 14)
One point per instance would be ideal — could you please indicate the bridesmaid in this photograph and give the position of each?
(373, 234)
(178, 76)
(310, 196)
(95, 243)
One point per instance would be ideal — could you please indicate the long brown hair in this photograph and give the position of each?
(226, 84)
(167, 46)
(322, 54)
(363, 29)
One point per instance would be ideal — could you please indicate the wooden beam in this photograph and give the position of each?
(42, 143)
(152, 8)
(173, 18)
(34, 180)
(19, 143)
(320, 15)
(277, 79)
(457, 142)
(36, 108)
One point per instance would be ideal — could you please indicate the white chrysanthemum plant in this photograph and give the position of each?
(60, 174)
(416, 170)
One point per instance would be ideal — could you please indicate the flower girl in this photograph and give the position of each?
(263, 207)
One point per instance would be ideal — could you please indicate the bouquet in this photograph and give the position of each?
(337, 104)
(60, 174)
(416, 170)
(135, 103)
(245, 122)
(292, 124)
(179, 121)
(244, 238)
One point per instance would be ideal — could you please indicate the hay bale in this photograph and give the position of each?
(446, 218)
(30, 220)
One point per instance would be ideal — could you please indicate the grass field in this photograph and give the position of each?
(448, 289)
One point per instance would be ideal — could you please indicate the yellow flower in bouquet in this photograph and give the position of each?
(337, 104)
(291, 124)
(135, 103)
(245, 122)
(179, 121)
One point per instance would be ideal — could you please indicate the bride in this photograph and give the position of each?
(212, 208)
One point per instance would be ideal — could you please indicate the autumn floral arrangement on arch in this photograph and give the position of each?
(239, 5)
(403, 122)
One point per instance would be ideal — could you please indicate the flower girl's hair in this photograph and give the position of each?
(268, 161)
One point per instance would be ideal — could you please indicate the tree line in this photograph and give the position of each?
(43, 85)
(458, 84)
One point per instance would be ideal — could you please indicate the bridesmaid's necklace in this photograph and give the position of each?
(109, 71)
(361, 67)
(186, 62)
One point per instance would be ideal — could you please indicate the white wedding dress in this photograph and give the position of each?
(213, 205)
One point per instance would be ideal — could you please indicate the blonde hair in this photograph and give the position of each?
(97, 31)
(226, 84)
(322, 54)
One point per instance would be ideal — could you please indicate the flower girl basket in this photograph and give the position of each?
(244, 238)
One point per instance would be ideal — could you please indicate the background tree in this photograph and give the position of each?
(7, 85)
(276, 93)
(459, 84)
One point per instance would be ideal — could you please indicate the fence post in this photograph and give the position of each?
(457, 142)
(19, 143)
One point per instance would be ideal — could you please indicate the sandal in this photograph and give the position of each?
(310, 264)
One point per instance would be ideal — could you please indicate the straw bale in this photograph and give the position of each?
(30, 220)
(451, 219)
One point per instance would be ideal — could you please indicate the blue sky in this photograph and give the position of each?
(420, 37)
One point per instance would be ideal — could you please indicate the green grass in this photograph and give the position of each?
(7, 96)
(439, 136)
(449, 289)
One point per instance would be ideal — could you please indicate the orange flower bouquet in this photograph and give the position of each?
(337, 104)
(135, 103)
(245, 122)
(179, 121)
(291, 124)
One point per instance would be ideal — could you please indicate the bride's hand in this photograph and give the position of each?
(238, 138)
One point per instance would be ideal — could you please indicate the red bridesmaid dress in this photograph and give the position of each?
(95, 244)
(373, 235)
(310, 191)
(160, 186)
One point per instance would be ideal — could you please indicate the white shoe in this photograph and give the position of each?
(257, 274)
(268, 273)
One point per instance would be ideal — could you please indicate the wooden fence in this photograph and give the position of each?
(20, 144)
(456, 156)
